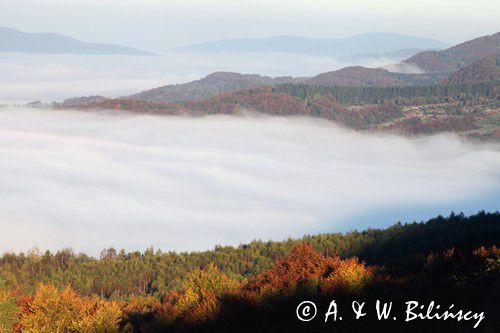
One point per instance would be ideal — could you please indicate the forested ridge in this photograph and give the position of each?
(443, 258)
(358, 76)
(432, 67)
(452, 90)
(117, 273)
(211, 85)
(470, 109)
(457, 56)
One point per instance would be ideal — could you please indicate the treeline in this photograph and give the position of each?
(417, 79)
(210, 300)
(368, 95)
(117, 275)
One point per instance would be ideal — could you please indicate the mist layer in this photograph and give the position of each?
(93, 180)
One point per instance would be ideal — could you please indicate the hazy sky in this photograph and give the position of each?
(162, 24)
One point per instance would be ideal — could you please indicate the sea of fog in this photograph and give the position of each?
(94, 180)
(49, 77)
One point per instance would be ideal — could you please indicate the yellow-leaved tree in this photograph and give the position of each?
(53, 311)
(203, 290)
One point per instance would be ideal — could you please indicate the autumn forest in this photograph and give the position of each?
(255, 286)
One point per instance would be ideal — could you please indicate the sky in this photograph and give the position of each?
(158, 25)
(72, 179)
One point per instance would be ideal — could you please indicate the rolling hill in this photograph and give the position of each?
(458, 56)
(340, 47)
(464, 101)
(354, 76)
(408, 110)
(486, 69)
(16, 41)
(222, 82)
(358, 76)
(211, 85)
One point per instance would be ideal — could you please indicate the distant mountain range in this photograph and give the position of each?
(17, 41)
(486, 68)
(371, 43)
(357, 97)
(469, 62)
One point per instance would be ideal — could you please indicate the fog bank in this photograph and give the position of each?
(48, 77)
(93, 180)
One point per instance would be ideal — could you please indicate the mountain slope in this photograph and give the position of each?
(358, 76)
(340, 47)
(211, 85)
(354, 76)
(486, 69)
(16, 41)
(458, 56)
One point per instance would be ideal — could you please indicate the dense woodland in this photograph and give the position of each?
(256, 286)
(371, 94)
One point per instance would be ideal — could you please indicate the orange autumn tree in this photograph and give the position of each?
(301, 267)
(304, 267)
(51, 310)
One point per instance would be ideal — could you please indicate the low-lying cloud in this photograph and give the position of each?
(92, 180)
(403, 67)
